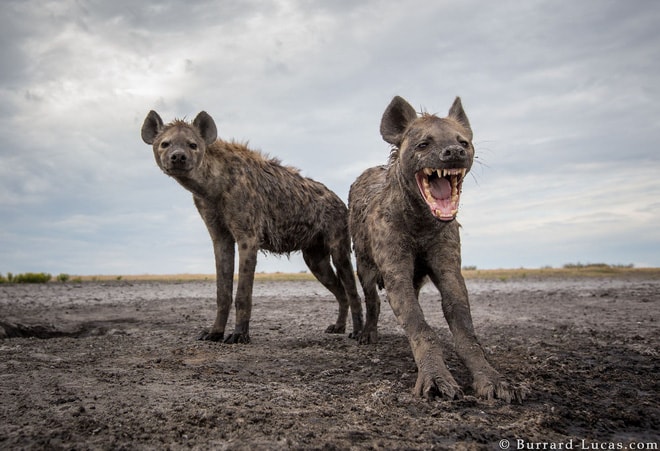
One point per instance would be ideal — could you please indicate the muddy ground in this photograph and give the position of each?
(126, 371)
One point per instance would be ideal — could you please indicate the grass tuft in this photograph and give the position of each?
(32, 277)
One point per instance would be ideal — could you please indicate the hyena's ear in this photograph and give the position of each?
(206, 126)
(396, 118)
(457, 113)
(151, 127)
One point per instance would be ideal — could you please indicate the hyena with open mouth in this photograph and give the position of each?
(402, 220)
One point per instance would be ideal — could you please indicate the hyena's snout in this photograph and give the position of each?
(457, 155)
(177, 160)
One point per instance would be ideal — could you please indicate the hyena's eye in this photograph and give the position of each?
(463, 142)
(193, 146)
(165, 144)
(422, 145)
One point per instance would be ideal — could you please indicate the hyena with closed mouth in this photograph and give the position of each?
(259, 204)
(402, 220)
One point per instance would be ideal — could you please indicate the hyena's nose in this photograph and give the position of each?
(453, 153)
(178, 157)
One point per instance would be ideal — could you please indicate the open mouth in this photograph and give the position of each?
(441, 189)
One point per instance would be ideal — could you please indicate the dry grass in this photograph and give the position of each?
(584, 271)
(500, 274)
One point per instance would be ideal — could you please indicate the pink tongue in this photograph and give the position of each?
(440, 188)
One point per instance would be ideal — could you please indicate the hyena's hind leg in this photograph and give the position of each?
(317, 259)
(341, 258)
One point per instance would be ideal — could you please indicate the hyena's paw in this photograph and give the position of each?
(434, 386)
(240, 337)
(367, 336)
(495, 387)
(434, 379)
(335, 329)
(205, 335)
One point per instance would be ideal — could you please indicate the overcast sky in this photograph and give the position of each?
(563, 97)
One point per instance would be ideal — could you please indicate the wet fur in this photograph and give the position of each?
(255, 203)
(399, 245)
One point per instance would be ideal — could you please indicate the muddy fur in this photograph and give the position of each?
(402, 239)
(255, 203)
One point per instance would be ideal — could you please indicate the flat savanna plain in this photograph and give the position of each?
(121, 368)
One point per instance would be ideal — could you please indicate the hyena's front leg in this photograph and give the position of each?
(247, 257)
(433, 377)
(223, 248)
(487, 382)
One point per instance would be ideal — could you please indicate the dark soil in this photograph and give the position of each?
(122, 370)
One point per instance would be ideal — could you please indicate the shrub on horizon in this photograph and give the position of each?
(32, 277)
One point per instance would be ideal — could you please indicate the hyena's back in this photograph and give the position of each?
(288, 211)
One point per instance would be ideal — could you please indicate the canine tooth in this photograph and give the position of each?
(425, 184)
(427, 190)
(428, 171)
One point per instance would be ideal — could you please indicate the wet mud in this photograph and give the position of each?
(115, 365)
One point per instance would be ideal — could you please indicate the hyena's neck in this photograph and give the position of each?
(205, 181)
(193, 185)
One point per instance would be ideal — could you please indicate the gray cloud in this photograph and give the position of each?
(562, 96)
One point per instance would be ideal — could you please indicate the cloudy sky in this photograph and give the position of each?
(563, 97)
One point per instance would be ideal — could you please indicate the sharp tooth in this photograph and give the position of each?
(428, 171)
(427, 190)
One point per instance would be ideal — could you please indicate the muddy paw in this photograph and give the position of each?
(366, 336)
(238, 338)
(498, 388)
(205, 335)
(355, 334)
(335, 329)
(429, 387)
